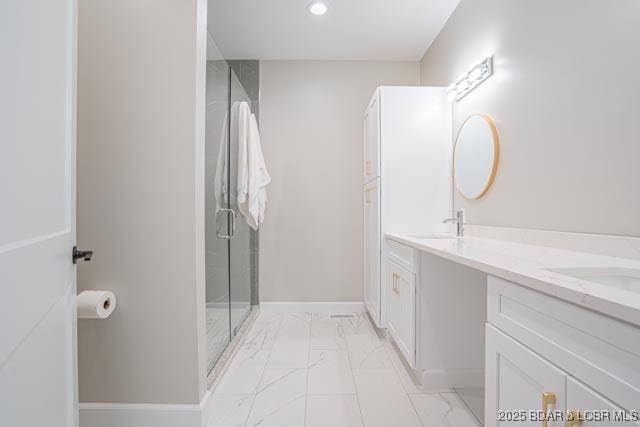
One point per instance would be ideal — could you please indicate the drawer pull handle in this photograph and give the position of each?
(368, 167)
(574, 418)
(548, 399)
(396, 279)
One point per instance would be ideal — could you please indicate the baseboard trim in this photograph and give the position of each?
(313, 307)
(144, 415)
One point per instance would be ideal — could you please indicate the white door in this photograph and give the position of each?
(374, 138)
(37, 214)
(371, 131)
(372, 249)
(517, 379)
(366, 248)
(585, 405)
(366, 152)
(401, 322)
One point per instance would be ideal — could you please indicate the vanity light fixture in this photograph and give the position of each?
(317, 8)
(470, 80)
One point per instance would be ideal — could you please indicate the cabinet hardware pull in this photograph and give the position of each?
(548, 399)
(396, 279)
(367, 167)
(393, 286)
(574, 418)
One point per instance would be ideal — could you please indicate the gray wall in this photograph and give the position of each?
(140, 201)
(311, 126)
(566, 100)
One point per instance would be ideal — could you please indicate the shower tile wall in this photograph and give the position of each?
(248, 72)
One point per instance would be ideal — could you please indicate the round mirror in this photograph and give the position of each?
(475, 158)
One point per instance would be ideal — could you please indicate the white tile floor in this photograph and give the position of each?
(317, 371)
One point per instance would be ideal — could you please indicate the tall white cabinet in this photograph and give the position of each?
(407, 146)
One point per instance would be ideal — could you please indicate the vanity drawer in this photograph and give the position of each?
(403, 255)
(604, 353)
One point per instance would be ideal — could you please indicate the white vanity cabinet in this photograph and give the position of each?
(401, 285)
(581, 396)
(401, 282)
(538, 345)
(518, 379)
(436, 316)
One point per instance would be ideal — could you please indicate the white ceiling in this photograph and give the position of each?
(351, 29)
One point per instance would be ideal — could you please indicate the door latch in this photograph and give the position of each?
(83, 255)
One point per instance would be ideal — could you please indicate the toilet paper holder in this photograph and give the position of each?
(95, 304)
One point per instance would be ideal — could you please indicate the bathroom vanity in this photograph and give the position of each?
(556, 335)
(528, 328)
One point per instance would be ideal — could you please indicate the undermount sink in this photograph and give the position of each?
(432, 236)
(627, 279)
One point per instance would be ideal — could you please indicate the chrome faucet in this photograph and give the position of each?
(459, 220)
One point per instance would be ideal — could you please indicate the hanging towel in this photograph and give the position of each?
(220, 180)
(221, 186)
(253, 176)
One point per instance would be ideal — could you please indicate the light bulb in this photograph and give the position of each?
(318, 8)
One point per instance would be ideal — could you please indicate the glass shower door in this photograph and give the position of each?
(216, 191)
(239, 246)
(228, 236)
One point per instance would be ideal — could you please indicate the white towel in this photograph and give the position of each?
(220, 181)
(253, 176)
(221, 186)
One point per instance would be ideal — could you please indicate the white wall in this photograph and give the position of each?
(140, 199)
(566, 100)
(311, 126)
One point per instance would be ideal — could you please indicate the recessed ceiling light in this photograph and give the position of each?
(318, 8)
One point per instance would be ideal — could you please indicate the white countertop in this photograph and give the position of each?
(524, 264)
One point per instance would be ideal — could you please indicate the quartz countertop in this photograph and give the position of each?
(525, 265)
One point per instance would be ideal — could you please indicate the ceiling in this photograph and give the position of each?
(351, 29)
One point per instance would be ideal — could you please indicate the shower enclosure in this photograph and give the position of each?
(229, 240)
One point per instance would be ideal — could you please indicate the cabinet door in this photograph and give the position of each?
(366, 271)
(372, 250)
(401, 288)
(367, 166)
(371, 133)
(582, 399)
(516, 383)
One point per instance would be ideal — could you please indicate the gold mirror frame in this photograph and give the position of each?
(496, 155)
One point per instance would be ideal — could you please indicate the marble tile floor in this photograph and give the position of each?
(313, 370)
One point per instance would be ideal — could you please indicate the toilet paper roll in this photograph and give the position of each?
(95, 304)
